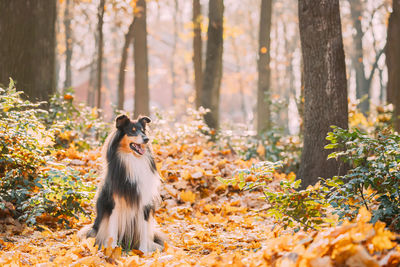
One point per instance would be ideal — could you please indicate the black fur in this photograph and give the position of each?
(116, 182)
(153, 165)
(147, 210)
(104, 206)
(159, 239)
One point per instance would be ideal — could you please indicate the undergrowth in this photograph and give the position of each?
(31, 185)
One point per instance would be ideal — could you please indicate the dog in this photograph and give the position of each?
(129, 193)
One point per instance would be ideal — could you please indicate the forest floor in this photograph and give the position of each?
(207, 224)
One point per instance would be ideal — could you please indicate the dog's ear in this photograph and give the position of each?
(121, 121)
(143, 120)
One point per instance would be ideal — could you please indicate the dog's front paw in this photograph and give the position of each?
(151, 247)
(156, 246)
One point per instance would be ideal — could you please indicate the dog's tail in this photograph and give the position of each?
(87, 231)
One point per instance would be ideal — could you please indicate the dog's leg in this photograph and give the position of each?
(152, 235)
(144, 245)
(102, 233)
(147, 243)
(113, 228)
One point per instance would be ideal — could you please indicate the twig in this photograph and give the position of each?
(362, 196)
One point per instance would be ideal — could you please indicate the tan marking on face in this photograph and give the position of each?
(126, 140)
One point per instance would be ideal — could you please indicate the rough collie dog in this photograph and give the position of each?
(129, 193)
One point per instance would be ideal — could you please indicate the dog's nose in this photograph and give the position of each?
(145, 139)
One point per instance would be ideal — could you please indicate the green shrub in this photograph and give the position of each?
(373, 180)
(305, 208)
(75, 123)
(24, 145)
(26, 181)
(272, 146)
(62, 193)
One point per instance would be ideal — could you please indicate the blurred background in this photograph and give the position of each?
(171, 29)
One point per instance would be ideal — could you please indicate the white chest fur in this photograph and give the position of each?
(139, 171)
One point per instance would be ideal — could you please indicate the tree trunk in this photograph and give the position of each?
(100, 17)
(174, 44)
(325, 84)
(68, 44)
(142, 97)
(393, 62)
(362, 87)
(264, 71)
(122, 66)
(238, 70)
(197, 51)
(27, 46)
(213, 70)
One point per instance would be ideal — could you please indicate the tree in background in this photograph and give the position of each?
(173, 54)
(393, 62)
(100, 18)
(142, 96)
(325, 86)
(197, 51)
(122, 66)
(264, 71)
(27, 50)
(363, 83)
(68, 42)
(213, 70)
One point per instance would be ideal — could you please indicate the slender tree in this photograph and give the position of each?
(173, 54)
(122, 66)
(325, 86)
(100, 22)
(213, 69)
(393, 62)
(142, 96)
(264, 71)
(68, 43)
(363, 81)
(358, 58)
(197, 51)
(27, 46)
(238, 68)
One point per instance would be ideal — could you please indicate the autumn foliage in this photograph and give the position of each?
(219, 206)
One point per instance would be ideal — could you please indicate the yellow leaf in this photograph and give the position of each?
(261, 150)
(291, 176)
(188, 196)
(185, 174)
(364, 216)
(382, 238)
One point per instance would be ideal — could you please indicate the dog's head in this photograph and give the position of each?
(134, 138)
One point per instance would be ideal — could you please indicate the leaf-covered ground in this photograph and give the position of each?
(206, 222)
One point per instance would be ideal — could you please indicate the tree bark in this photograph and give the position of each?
(27, 46)
(264, 71)
(213, 70)
(142, 97)
(122, 66)
(393, 62)
(325, 84)
(68, 44)
(197, 51)
(100, 17)
(362, 87)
